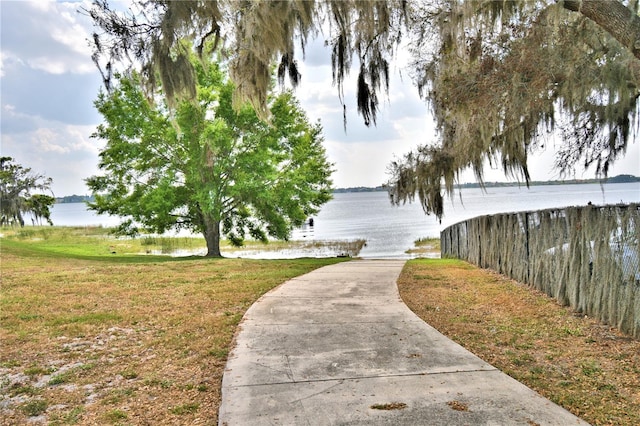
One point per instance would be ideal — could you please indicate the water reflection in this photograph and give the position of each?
(290, 250)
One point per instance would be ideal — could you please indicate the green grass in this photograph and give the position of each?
(97, 243)
(35, 370)
(70, 417)
(34, 407)
(185, 409)
(60, 379)
(144, 334)
(77, 242)
(426, 247)
(115, 415)
(589, 368)
(24, 390)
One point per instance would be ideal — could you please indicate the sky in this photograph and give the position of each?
(48, 84)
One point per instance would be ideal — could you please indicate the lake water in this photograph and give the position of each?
(391, 230)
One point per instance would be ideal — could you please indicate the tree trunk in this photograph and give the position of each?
(212, 237)
(612, 16)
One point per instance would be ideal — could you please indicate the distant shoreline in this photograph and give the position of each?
(616, 179)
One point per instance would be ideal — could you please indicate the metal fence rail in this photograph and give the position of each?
(586, 257)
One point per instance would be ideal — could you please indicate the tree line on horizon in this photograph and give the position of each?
(622, 178)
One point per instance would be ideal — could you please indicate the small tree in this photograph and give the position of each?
(206, 166)
(40, 207)
(16, 199)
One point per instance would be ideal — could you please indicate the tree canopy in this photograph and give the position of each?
(17, 184)
(499, 75)
(502, 78)
(206, 166)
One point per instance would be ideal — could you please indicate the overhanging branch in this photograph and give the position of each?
(613, 17)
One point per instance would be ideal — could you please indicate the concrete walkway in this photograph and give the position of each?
(328, 347)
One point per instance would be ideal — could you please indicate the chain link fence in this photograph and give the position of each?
(585, 257)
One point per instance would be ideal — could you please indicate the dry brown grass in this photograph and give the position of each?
(122, 339)
(589, 368)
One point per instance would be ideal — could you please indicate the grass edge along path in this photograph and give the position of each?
(591, 369)
(116, 339)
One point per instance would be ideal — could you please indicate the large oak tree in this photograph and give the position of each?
(498, 74)
(206, 166)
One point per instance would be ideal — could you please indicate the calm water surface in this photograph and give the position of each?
(390, 230)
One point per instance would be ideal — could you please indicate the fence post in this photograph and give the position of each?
(581, 258)
(526, 242)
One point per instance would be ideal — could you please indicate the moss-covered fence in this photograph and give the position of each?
(585, 257)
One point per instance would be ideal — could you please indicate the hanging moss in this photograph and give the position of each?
(498, 75)
(585, 257)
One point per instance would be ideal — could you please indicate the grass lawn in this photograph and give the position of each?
(92, 334)
(589, 368)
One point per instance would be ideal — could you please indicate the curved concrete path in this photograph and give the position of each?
(326, 347)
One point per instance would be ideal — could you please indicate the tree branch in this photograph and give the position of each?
(613, 17)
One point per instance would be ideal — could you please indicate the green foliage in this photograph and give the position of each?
(71, 417)
(499, 75)
(115, 415)
(60, 379)
(16, 198)
(189, 408)
(34, 407)
(40, 206)
(206, 166)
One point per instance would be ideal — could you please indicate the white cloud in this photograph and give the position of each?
(48, 36)
(364, 163)
(63, 139)
(48, 65)
(76, 24)
(43, 6)
(362, 154)
(8, 61)
(47, 140)
(79, 139)
(61, 66)
(61, 151)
